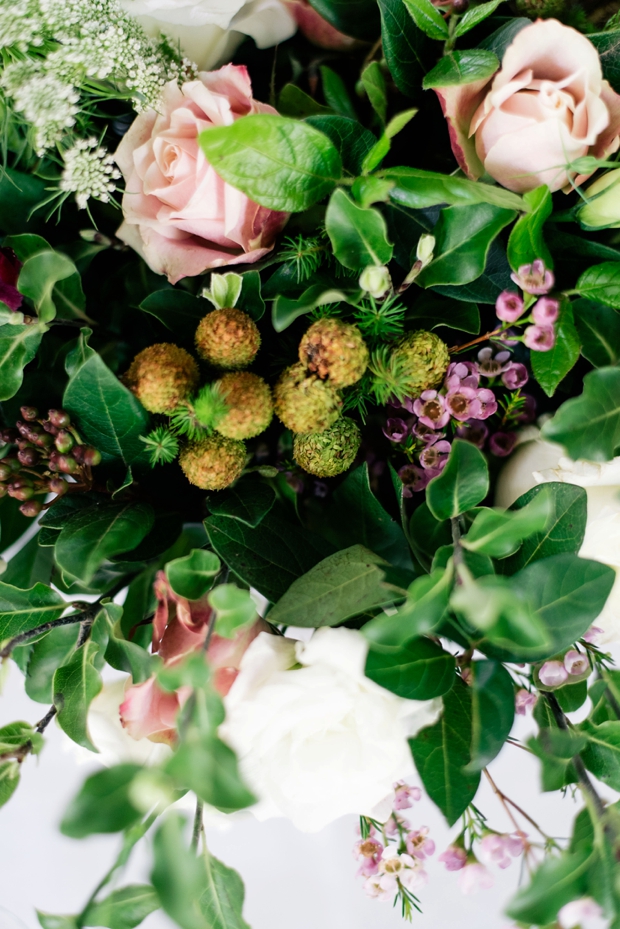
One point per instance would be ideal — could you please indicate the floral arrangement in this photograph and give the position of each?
(310, 398)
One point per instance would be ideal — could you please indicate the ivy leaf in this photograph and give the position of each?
(462, 484)
(192, 575)
(526, 242)
(550, 368)
(601, 283)
(418, 670)
(442, 753)
(18, 346)
(75, 686)
(278, 162)
(23, 610)
(493, 711)
(589, 426)
(358, 236)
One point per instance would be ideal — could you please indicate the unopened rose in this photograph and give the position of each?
(208, 32)
(548, 105)
(178, 213)
(602, 207)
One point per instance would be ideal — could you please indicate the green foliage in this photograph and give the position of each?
(549, 368)
(358, 236)
(417, 188)
(404, 46)
(38, 278)
(462, 484)
(18, 346)
(556, 882)
(563, 531)
(598, 328)
(601, 756)
(422, 612)
(249, 501)
(177, 310)
(418, 670)
(493, 711)
(589, 426)
(461, 68)
(285, 310)
(233, 607)
(475, 16)
(124, 908)
(15, 735)
(336, 94)
(46, 656)
(103, 803)
(373, 82)
(24, 610)
(162, 445)
(75, 686)
(9, 779)
(601, 283)
(193, 575)
(499, 533)
(428, 18)
(526, 242)
(352, 141)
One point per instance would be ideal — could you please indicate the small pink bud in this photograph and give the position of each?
(454, 858)
(474, 877)
(592, 634)
(546, 311)
(553, 674)
(539, 338)
(509, 306)
(578, 913)
(576, 662)
(524, 701)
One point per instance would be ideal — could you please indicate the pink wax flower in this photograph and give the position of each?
(500, 849)
(474, 430)
(492, 365)
(545, 311)
(553, 674)
(431, 410)
(395, 824)
(524, 701)
(488, 403)
(435, 456)
(418, 843)
(396, 429)
(509, 306)
(463, 403)
(592, 634)
(425, 434)
(579, 914)
(473, 878)
(576, 663)
(414, 479)
(462, 372)
(395, 867)
(368, 851)
(404, 794)
(502, 443)
(539, 338)
(535, 278)
(454, 858)
(515, 376)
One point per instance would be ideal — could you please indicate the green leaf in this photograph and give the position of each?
(336, 94)
(499, 533)
(248, 501)
(557, 881)
(601, 756)
(589, 426)
(404, 46)
(278, 162)
(120, 653)
(80, 353)
(14, 735)
(463, 237)
(422, 612)
(442, 752)
(598, 328)
(110, 417)
(428, 18)
(606, 43)
(193, 575)
(417, 189)
(294, 102)
(358, 18)
(418, 670)
(374, 85)
(38, 277)
(550, 368)
(358, 235)
(462, 484)
(427, 533)
(20, 194)
(565, 528)
(18, 346)
(122, 909)
(499, 40)
(75, 686)
(23, 610)
(339, 587)
(234, 608)
(286, 310)
(602, 283)
(100, 532)
(352, 141)
(177, 310)
(53, 921)
(269, 557)
(453, 314)
(376, 155)
(526, 242)
(493, 711)
(206, 765)
(475, 15)
(46, 656)
(462, 68)
(9, 779)
(103, 803)
(222, 900)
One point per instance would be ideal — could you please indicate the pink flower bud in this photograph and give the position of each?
(524, 701)
(454, 858)
(509, 306)
(539, 338)
(546, 311)
(592, 634)
(404, 794)
(578, 913)
(515, 376)
(474, 877)
(553, 674)
(576, 662)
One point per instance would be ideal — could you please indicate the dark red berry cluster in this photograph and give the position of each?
(46, 448)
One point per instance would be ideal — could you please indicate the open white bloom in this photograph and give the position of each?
(535, 462)
(208, 31)
(89, 172)
(319, 741)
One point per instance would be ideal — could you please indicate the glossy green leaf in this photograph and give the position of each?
(357, 18)
(46, 656)
(124, 908)
(278, 162)
(208, 766)
(374, 85)
(550, 368)
(589, 426)
(602, 753)
(293, 101)
(80, 353)
(564, 530)
(120, 653)
(54, 921)
(602, 283)
(339, 587)
(358, 236)
(598, 328)
(23, 610)
(351, 140)
(38, 277)
(103, 803)
(9, 779)
(418, 670)
(18, 346)
(557, 881)
(462, 68)
(499, 533)
(526, 242)
(417, 189)
(428, 18)
(493, 711)
(422, 612)
(193, 575)
(336, 94)
(110, 417)
(248, 501)
(463, 237)
(475, 15)
(177, 310)
(94, 534)
(14, 735)
(285, 310)
(607, 45)
(234, 608)
(462, 484)
(441, 753)
(404, 46)
(75, 686)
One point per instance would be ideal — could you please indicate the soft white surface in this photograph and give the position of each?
(293, 881)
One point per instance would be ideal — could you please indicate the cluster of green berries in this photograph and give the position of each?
(308, 398)
(38, 452)
(216, 420)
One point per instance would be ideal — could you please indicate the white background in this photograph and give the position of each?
(293, 880)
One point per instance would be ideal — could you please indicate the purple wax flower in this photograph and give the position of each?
(539, 338)
(546, 311)
(435, 456)
(534, 278)
(527, 413)
(462, 372)
(415, 479)
(502, 443)
(515, 376)
(396, 429)
(474, 431)
(431, 410)
(488, 403)
(524, 701)
(463, 403)
(425, 434)
(490, 365)
(509, 306)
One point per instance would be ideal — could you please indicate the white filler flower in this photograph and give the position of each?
(208, 31)
(316, 739)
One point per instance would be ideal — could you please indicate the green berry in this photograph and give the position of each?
(423, 359)
(303, 403)
(213, 463)
(227, 338)
(161, 376)
(334, 351)
(328, 453)
(249, 403)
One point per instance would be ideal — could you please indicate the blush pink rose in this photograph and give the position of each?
(179, 215)
(547, 106)
(179, 628)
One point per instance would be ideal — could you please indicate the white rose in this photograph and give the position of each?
(535, 462)
(319, 741)
(209, 31)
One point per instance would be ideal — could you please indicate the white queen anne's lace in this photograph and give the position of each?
(89, 172)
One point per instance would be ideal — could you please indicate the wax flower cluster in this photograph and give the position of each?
(536, 281)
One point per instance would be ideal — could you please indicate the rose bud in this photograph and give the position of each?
(28, 456)
(29, 412)
(91, 456)
(64, 441)
(31, 508)
(59, 418)
(57, 485)
(67, 463)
